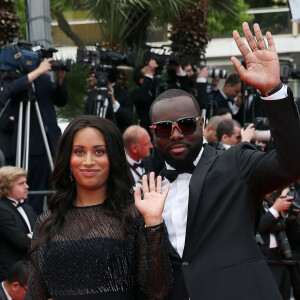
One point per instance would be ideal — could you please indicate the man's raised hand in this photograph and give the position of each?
(263, 70)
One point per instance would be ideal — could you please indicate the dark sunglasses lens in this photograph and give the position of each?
(187, 126)
(163, 130)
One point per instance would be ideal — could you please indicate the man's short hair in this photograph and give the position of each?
(8, 175)
(214, 121)
(222, 111)
(226, 126)
(18, 272)
(233, 79)
(131, 135)
(138, 74)
(174, 93)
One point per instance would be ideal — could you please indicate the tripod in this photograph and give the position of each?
(27, 103)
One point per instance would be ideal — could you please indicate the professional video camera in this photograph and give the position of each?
(262, 129)
(287, 71)
(162, 55)
(102, 59)
(24, 57)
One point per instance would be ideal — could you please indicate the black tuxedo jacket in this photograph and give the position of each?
(267, 225)
(14, 241)
(221, 259)
(2, 293)
(147, 161)
(142, 98)
(221, 101)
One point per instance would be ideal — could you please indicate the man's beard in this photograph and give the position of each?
(185, 163)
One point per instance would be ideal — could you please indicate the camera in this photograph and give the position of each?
(101, 59)
(262, 129)
(213, 72)
(283, 242)
(162, 55)
(287, 71)
(294, 210)
(24, 57)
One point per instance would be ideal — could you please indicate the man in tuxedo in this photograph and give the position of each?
(117, 106)
(138, 145)
(214, 202)
(231, 91)
(272, 228)
(145, 94)
(16, 218)
(15, 285)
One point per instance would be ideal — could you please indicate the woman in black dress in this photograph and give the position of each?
(95, 242)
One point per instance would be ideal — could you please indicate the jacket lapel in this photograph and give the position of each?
(16, 212)
(208, 156)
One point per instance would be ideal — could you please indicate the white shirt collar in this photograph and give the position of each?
(131, 160)
(15, 202)
(7, 296)
(222, 93)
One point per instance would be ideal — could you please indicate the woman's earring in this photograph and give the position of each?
(71, 175)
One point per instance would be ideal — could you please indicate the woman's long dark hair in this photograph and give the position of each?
(119, 193)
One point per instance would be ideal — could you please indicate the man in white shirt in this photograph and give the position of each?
(14, 286)
(213, 205)
(138, 145)
(16, 218)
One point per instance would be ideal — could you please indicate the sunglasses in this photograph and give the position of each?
(164, 129)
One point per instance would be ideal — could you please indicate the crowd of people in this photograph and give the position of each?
(186, 204)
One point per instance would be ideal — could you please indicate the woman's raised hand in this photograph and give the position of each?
(152, 204)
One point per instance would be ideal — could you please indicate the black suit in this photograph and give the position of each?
(123, 116)
(281, 272)
(47, 94)
(2, 293)
(142, 98)
(221, 259)
(220, 101)
(14, 241)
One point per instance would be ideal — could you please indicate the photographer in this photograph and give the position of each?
(197, 82)
(293, 234)
(144, 95)
(274, 243)
(230, 96)
(37, 86)
(117, 106)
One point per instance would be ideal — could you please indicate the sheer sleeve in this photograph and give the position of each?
(154, 267)
(37, 289)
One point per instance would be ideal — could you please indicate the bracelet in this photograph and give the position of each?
(275, 90)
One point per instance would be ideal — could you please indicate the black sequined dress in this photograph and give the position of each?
(89, 259)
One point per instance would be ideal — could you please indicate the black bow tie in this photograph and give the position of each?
(19, 204)
(139, 165)
(172, 175)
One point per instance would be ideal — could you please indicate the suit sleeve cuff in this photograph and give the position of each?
(274, 212)
(116, 106)
(281, 94)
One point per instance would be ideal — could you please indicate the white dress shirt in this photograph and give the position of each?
(176, 207)
(139, 170)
